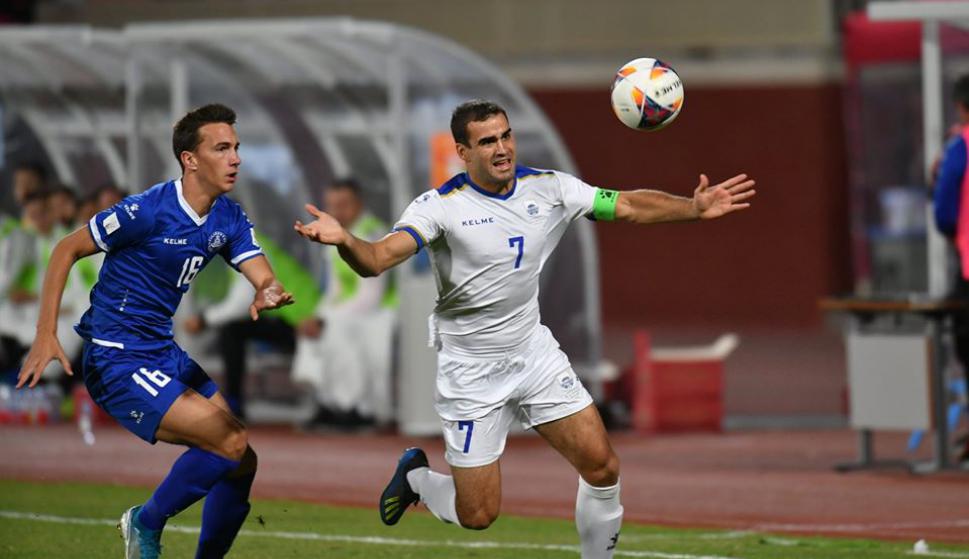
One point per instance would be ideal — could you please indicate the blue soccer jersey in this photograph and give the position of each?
(156, 244)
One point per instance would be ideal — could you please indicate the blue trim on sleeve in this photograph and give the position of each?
(948, 187)
(413, 233)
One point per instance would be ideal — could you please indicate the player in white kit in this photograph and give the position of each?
(489, 231)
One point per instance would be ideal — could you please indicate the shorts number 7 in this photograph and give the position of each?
(520, 241)
(467, 439)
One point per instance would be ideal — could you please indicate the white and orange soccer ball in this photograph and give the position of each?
(646, 94)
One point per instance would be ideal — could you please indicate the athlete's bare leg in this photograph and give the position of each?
(196, 421)
(478, 494)
(581, 438)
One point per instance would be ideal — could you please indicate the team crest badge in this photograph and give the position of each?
(567, 382)
(217, 240)
(531, 208)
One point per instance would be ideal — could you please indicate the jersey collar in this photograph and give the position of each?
(490, 194)
(188, 209)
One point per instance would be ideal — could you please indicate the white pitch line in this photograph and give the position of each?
(947, 554)
(860, 527)
(373, 540)
(734, 535)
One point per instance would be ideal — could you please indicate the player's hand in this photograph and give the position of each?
(19, 296)
(720, 199)
(326, 229)
(310, 328)
(272, 296)
(194, 324)
(45, 349)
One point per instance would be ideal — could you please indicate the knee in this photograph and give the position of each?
(250, 461)
(603, 472)
(478, 519)
(235, 444)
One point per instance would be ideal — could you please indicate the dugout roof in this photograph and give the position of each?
(316, 98)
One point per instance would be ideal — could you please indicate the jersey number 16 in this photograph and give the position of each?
(190, 269)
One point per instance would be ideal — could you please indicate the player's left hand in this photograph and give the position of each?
(720, 199)
(272, 296)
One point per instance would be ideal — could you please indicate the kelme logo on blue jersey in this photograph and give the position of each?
(216, 241)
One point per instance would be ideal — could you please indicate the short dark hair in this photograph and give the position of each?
(960, 91)
(186, 134)
(348, 183)
(109, 187)
(33, 167)
(475, 110)
(63, 189)
(41, 195)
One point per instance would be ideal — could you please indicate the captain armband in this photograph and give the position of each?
(604, 206)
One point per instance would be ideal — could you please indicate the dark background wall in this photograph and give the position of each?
(764, 266)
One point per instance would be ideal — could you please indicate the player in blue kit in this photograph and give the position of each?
(156, 243)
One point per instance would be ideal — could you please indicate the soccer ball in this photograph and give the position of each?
(646, 94)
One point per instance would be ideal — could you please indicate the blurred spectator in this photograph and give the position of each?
(63, 205)
(952, 220)
(16, 246)
(344, 351)
(27, 179)
(108, 195)
(275, 328)
(26, 252)
(87, 207)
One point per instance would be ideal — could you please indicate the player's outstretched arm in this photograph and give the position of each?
(708, 202)
(46, 347)
(270, 294)
(366, 258)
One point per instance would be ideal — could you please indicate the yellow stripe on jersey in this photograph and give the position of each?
(453, 191)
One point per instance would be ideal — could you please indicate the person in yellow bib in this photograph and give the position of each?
(230, 316)
(344, 351)
(28, 248)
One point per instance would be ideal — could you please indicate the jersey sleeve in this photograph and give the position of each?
(124, 224)
(423, 219)
(577, 196)
(241, 244)
(948, 187)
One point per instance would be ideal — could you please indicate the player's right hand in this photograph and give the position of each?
(45, 349)
(326, 229)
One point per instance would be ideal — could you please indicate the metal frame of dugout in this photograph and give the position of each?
(317, 98)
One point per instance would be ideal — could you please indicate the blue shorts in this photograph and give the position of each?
(137, 387)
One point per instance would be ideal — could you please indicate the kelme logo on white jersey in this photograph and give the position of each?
(217, 240)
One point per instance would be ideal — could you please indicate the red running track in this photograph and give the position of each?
(771, 481)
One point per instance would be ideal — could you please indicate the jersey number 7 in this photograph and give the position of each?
(520, 241)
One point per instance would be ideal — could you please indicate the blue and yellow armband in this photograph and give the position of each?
(604, 206)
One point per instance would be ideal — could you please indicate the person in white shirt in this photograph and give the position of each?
(489, 232)
(343, 351)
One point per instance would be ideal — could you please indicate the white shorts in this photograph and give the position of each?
(478, 399)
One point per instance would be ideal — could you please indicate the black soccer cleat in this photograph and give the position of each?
(398, 494)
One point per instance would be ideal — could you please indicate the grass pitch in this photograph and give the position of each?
(67, 520)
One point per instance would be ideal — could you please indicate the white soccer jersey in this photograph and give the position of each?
(488, 251)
